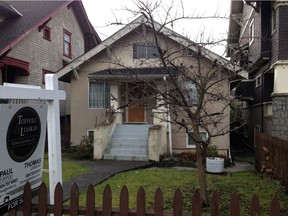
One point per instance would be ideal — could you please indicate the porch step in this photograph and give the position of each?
(128, 142)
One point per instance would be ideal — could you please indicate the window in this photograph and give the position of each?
(90, 136)
(258, 81)
(44, 72)
(251, 31)
(99, 95)
(67, 44)
(190, 141)
(273, 21)
(191, 93)
(47, 33)
(145, 50)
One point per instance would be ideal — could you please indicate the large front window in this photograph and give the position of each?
(145, 50)
(99, 95)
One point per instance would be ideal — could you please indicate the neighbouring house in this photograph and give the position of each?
(258, 42)
(40, 37)
(108, 76)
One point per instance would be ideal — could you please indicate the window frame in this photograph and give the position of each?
(258, 81)
(107, 96)
(251, 31)
(69, 43)
(194, 145)
(91, 142)
(145, 50)
(46, 29)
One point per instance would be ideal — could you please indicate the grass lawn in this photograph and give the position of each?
(69, 169)
(245, 184)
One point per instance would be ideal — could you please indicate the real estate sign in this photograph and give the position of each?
(22, 139)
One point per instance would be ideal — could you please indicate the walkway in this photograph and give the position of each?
(100, 171)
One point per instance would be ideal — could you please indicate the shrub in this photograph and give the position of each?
(83, 151)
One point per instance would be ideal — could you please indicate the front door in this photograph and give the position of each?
(135, 97)
(136, 113)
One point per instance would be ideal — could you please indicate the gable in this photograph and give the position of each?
(34, 14)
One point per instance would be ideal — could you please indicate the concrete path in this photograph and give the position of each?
(100, 171)
(104, 169)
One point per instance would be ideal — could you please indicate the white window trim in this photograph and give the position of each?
(259, 77)
(187, 139)
(251, 34)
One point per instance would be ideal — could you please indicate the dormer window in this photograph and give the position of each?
(47, 33)
(145, 51)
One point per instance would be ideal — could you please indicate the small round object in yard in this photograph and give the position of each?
(214, 165)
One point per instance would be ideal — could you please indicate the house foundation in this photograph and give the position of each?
(280, 115)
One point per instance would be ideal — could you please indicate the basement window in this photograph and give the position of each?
(191, 143)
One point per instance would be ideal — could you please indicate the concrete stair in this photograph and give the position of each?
(129, 142)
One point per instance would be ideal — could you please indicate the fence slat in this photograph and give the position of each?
(234, 205)
(90, 201)
(215, 205)
(42, 199)
(255, 206)
(107, 201)
(158, 202)
(74, 200)
(177, 203)
(196, 203)
(275, 206)
(58, 199)
(124, 202)
(27, 199)
(141, 202)
(13, 212)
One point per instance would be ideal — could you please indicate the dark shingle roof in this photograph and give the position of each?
(34, 13)
(131, 73)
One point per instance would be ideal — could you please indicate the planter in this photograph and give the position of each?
(214, 165)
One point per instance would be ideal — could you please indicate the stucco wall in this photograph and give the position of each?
(117, 55)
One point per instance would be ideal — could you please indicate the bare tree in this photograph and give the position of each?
(194, 92)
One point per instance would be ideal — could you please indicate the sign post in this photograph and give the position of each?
(52, 95)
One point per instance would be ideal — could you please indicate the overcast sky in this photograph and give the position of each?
(102, 13)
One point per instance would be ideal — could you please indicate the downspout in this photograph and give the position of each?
(169, 130)
(168, 122)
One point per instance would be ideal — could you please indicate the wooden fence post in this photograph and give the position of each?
(215, 206)
(90, 201)
(196, 203)
(124, 202)
(234, 205)
(158, 202)
(177, 203)
(107, 201)
(74, 200)
(42, 199)
(141, 202)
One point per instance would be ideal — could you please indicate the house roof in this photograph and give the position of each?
(65, 73)
(123, 73)
(22, 17)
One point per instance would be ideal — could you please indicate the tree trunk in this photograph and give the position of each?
(201, 174)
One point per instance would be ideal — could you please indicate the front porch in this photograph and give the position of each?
(135, 128)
